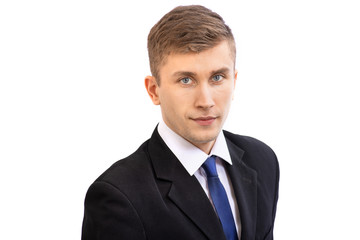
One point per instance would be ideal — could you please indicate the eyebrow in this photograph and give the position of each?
(184, 73)
(223, 70)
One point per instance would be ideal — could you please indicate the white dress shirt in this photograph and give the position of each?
(192, 158)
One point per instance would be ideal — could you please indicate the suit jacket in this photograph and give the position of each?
(149, 195)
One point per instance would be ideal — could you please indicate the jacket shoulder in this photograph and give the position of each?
(257, 154)
(129, 169)
(247, 143)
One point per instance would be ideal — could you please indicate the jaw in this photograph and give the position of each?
(202, 137)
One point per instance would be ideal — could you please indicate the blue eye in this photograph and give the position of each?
(186, 80)
(217, 78)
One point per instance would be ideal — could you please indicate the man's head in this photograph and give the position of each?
(194, 59)
(186, 29)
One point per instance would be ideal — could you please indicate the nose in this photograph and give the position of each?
(204, 97)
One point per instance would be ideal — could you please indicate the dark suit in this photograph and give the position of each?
(150, 195)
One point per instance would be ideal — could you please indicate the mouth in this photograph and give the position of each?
(204, 121)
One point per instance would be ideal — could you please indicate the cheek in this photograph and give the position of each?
(224, 96)
(172, 104)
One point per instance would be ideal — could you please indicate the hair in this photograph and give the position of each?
(186, 29)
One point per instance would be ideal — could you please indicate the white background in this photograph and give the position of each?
(72, 102)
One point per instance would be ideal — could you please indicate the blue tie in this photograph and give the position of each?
(220, 200)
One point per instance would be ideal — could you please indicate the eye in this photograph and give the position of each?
(186, 80)
(217, 78)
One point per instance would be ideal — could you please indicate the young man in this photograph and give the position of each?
(191, 179)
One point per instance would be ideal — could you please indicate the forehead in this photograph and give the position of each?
(218, 57)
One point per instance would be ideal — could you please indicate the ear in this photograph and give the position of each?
(235, 79)
(152, 89)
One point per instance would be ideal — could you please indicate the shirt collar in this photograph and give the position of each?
(189, 155)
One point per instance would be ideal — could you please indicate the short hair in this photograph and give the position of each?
(186, 29)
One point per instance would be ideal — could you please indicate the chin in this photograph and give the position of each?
(204, 137)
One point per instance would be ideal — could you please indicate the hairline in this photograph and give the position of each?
(231, 46)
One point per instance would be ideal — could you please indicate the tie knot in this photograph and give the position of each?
(210, 167)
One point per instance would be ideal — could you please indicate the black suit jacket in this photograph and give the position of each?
(149, 195)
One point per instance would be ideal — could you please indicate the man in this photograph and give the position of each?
(190, 180)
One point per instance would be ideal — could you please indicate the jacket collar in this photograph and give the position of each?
(187, 193)
(185, 190)
(244, 181)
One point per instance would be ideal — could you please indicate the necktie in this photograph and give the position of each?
(220, 200)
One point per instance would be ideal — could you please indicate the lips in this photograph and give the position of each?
(204, 121)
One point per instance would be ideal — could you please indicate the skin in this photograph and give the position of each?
(195, 93)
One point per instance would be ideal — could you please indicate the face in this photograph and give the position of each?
(195, 93)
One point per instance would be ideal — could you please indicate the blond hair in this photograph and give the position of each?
(186, 29)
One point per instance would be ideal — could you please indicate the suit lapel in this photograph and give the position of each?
(244, 181)
(185, 191)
